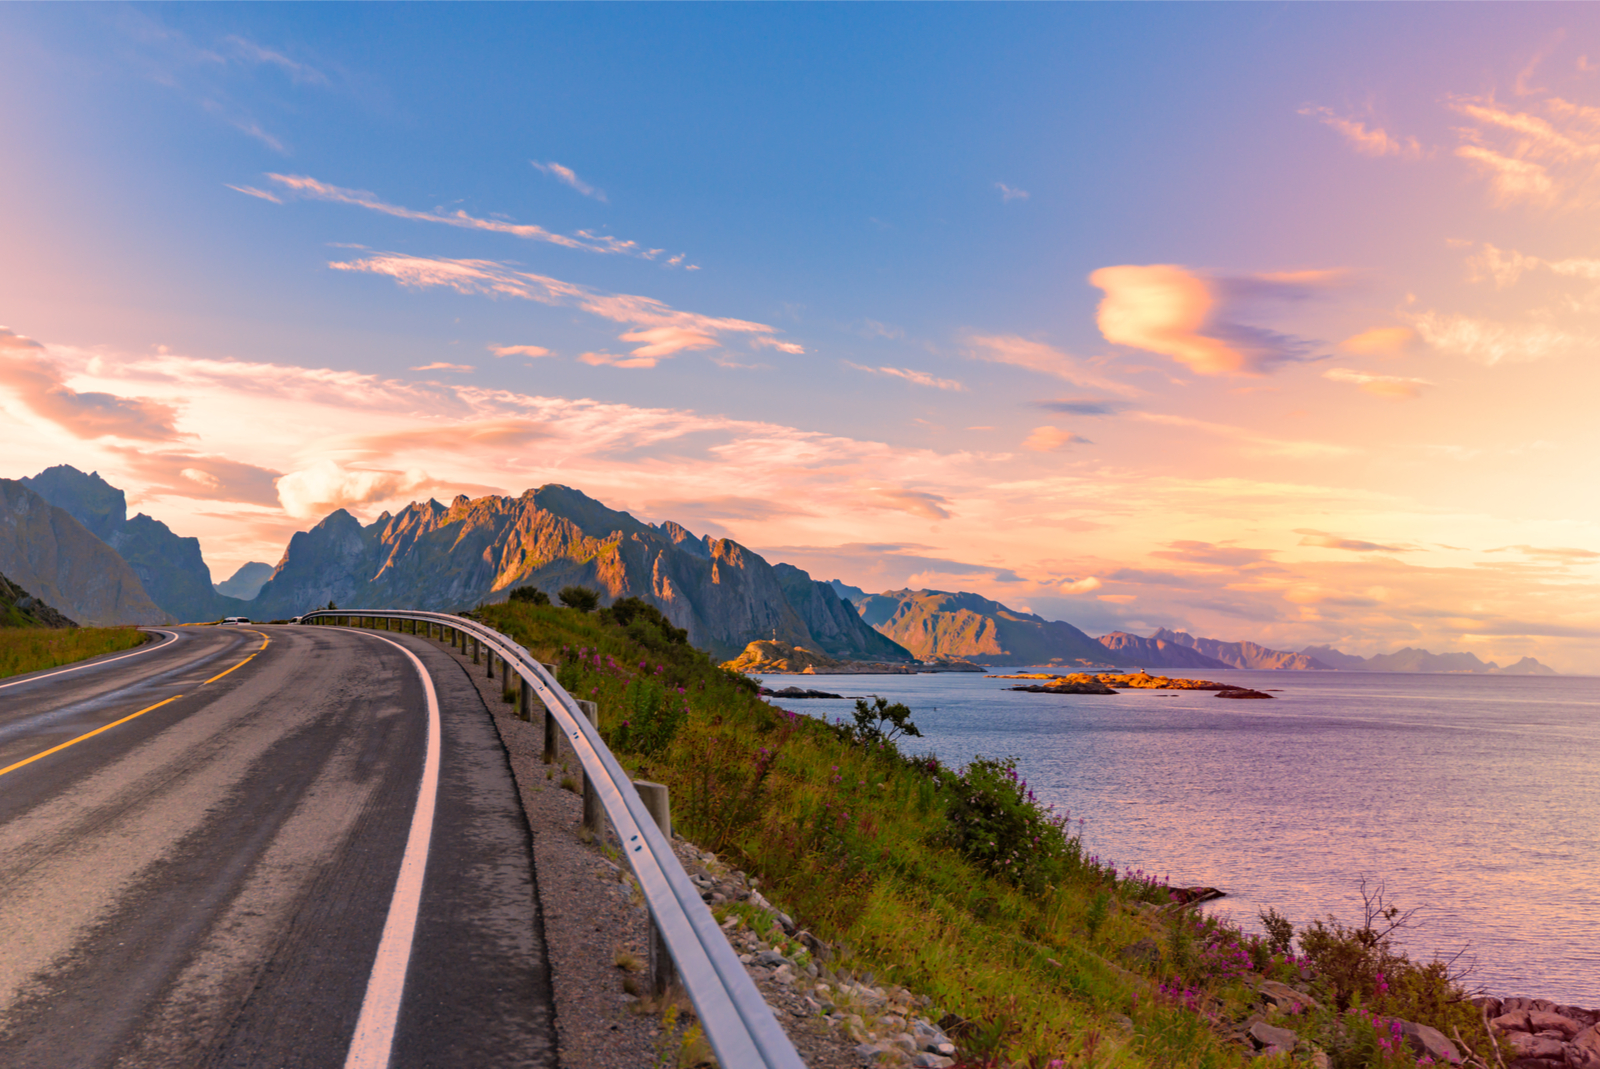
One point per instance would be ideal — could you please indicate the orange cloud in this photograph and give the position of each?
(38, 383)
(1049, 439)
(439, 365)
(205, 477)
(613, 360)
(916, 502)
(519, 350)
(668, 341)
(1161, 308)
(1379, 341)
(921, 378)
(1369, 142)
(324, 486)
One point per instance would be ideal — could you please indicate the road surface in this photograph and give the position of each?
(200, 846)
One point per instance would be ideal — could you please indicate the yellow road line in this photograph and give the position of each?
(224, 672)
(264, 643)
(89, 735)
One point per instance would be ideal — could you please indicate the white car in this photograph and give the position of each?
(236, 620)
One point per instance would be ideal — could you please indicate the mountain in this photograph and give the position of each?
(170, 568)
(937, 623)
(1158, 652)
(1242, 654)
(45, 550)
(1415, 660)
(18, 608)
(853, 594)
(245, 583)
(432, 556)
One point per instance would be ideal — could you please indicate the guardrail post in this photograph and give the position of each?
(551, 730)
(662, 971)
(476, 647)
(594, 815)
(490, 659)
(525, 705)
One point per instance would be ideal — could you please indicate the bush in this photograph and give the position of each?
(882, 722)
(995, 821)
(580, 597)
(531, 594)
(644, 623)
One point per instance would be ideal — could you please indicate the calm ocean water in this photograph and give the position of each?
(1474, 797)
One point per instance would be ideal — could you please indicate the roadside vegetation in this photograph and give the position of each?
(959, 884)
(29, 649)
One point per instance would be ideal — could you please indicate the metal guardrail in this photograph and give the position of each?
(737, 1020)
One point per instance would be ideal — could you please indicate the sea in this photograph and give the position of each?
(1473, 799)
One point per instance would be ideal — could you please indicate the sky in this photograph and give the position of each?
(1267, 322)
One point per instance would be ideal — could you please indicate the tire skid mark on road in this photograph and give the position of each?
(73, 856)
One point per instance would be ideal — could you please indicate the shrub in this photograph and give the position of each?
(995, 821)
(652, 718)
(644, 623)
(579, 597)
(530, 594)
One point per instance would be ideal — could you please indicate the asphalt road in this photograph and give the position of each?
(206, 881)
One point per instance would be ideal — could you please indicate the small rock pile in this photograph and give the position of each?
(1545, 1035)
(879, 1025)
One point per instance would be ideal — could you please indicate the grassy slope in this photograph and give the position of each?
(29, 649)
(847, 839)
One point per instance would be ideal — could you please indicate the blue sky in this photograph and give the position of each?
(1104, 307)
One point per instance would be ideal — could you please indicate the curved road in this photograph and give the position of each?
(206, 881)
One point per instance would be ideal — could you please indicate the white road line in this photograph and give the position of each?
(172, 637)
(380, 1009)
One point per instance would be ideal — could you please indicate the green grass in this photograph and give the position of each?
(857, 842)
(29, 649)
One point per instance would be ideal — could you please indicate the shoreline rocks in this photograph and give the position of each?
(1543, 1034)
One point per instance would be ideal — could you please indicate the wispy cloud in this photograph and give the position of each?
(252, 191)
(322, 487)
(764, 341)
(1192, 318)
(566, 176)
(921, 378)
(1259, 444)
(39, 383)
(250, 52)
(1392, 386)
(1369, 141)
(1546, 160)
(1506, 267)
(312, 189)
(917, 502)
(519, 350)
(214, 478)
(1082, 406)
(615, 360)
(1037, 356)
(1324, 540)
(662, 330)
(1010, 193)
(440, 365)
(1487, 342)
(1050, 439)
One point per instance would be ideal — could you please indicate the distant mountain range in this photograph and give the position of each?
(66, 537)
(937, 623)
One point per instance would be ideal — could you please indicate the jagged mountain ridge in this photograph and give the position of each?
(433, 556)
(45, 550)
(1415, 660)
(1158, 652)
(939, 623)
(170, 568)
(1242, 654)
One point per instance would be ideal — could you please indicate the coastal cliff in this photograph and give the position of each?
(938, 623)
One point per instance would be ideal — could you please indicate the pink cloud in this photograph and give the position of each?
(1379, 341)
(439, 365)
(519, 350)
(567, 176)
(1037, 356)
(917, 502)
(663, 330)
(1372, 141)
(39, 384)
(322, 487)
(762, 341)
(613, 360)
(200, 476)
(312, 189)
(921, 378)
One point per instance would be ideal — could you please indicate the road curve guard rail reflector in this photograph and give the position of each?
(737, 1020)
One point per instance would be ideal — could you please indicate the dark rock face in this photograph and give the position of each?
(170, 568)
(245, 583)
(937, 623)
(18, 608)
(431, 556)
(1158, 652)
(53, 557)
